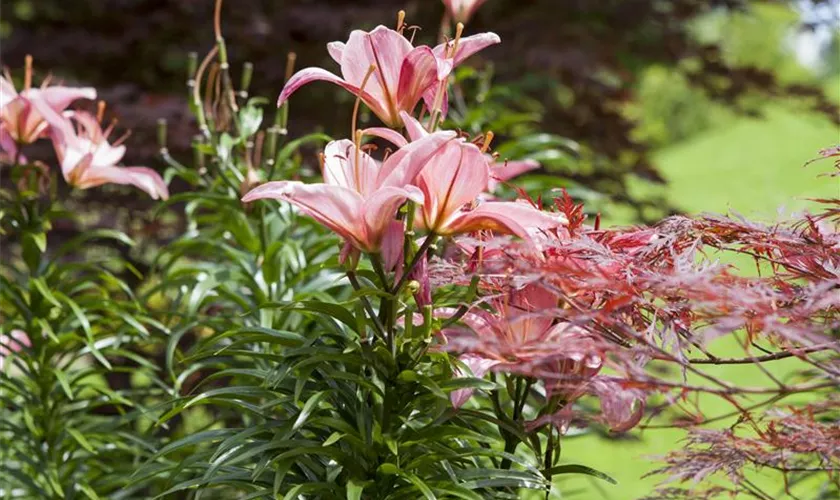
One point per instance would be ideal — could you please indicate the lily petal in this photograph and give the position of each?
(417, 74)
(143, 178)
(502, 217)
(388, 134)
(58, 98)
(336, 50)
(7, 92)
(309, 75)
(415, 129)
(335, 207)
(403, 166)
(478, 368)
(452, 179)
(468, 46)
(381, 208)
(340, 167)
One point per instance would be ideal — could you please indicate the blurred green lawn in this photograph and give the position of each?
(754, 167)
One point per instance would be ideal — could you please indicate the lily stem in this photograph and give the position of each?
(351, 275)
(421, 252)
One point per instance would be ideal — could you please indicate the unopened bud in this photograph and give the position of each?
(161, 133)
(192, 65)
(247, 74)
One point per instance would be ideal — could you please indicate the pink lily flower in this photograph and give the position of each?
(402, 73)
(462, 10)
(21, 122)
(451, 185)
(359, 197)
(453, 181)
(87, 158)
(15, 341)
(478, 368)
(520, 337)
(499, 171)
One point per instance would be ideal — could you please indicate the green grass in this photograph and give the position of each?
(750, 166)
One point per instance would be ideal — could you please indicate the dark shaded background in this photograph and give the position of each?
(134, 52)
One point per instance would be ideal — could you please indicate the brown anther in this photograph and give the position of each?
(322, 160)
(100, 111)
(27, 72)
(110, 127)
(400, 21)
(122, 138)
(459, 30)
(488, 138)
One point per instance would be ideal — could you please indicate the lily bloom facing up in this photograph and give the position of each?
(88, 160)
(13, 342)
(462, 10)
(359, 198)
(21, 122)
(402, 74)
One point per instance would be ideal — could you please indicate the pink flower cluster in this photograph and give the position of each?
(86, 156)
(439, 171)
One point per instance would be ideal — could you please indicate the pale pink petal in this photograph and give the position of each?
(429, 98)
(621, 408)
(510, 169)
(467, 46)
(335, 207)
(336, 49)
(462, 10)
(478, 368)
(7, 92)
(58, 98)
(387, 49)
(418, 73)
(502, 217)
(388, 134)
(341, 167)
(453, 178)
(9, 147)
(414, 128)
(381, 208)
(143, 178)
(392, 246)
(309, 75)
(402, 167)
(149, 181)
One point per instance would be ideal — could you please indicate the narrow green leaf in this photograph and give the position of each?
(580, 469)
(80, 438)
(308, 407)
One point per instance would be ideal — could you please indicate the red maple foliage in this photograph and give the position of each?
(628, 317)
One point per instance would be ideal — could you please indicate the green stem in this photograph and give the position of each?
(351, 275)
(430, 239)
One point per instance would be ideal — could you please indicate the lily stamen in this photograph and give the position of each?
(100, 111)
(400, 21)
(27, 72)
(353, 124)
(122, 138)
(488, 138)
(459, 30)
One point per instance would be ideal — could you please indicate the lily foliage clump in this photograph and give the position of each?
(367, 317)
